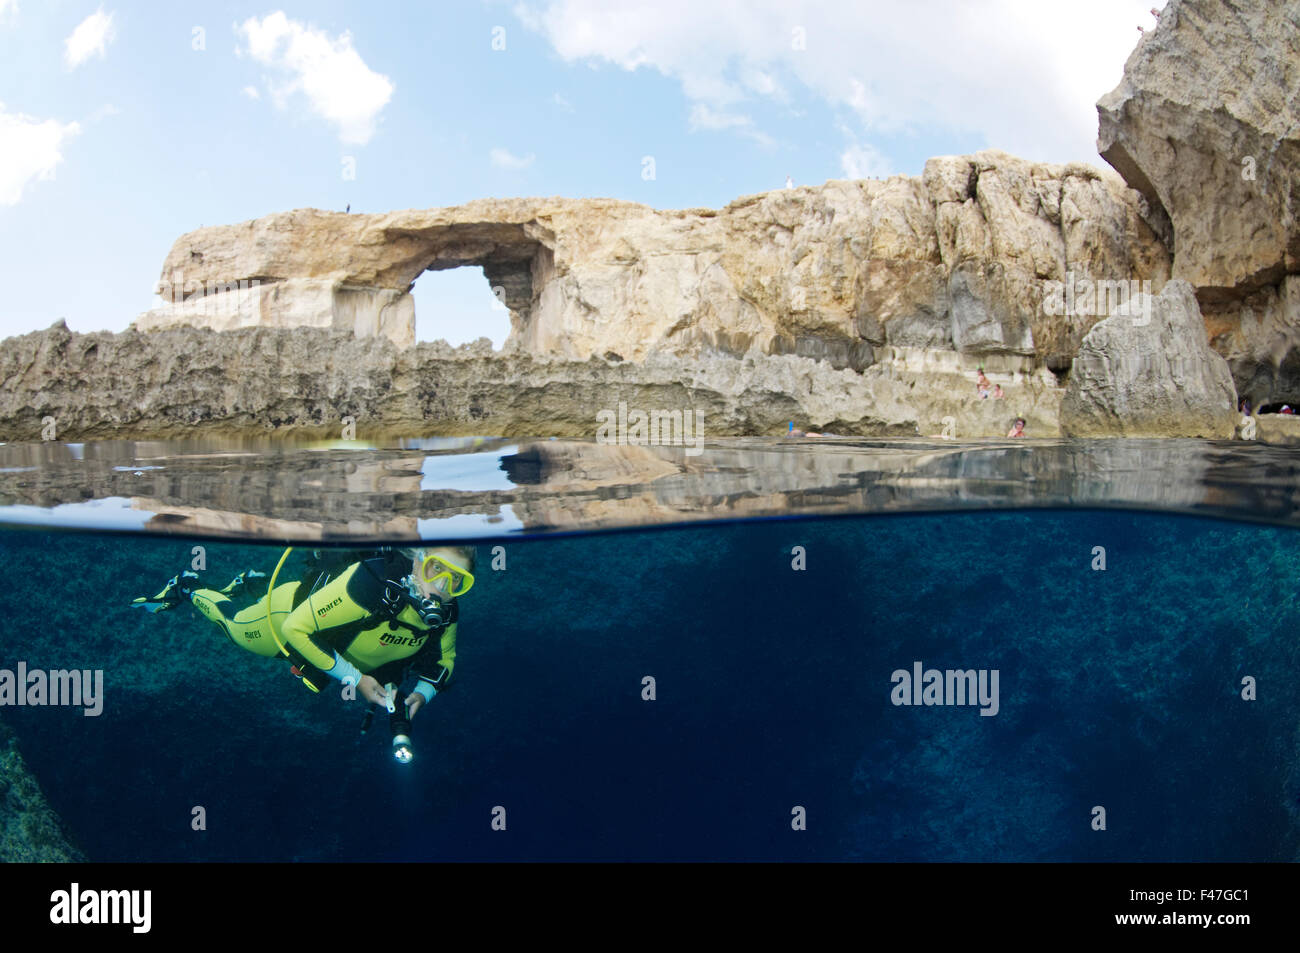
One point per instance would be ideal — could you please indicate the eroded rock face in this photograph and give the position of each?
(1206, 125)
(1281, 429)
(304, 381)
(1150, 373)
(309, 268)
(850, 273)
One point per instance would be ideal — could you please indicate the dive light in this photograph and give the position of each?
(403, 749)
(402, 752)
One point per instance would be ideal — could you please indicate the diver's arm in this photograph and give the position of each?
(307, 628)
(434, 673)
(300, 632)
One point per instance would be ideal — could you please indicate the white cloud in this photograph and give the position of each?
(562, 103)
(30, 148)
(91, 38)
(1020, 75)
(704, 117)
(252, 93)
(763, 83)
(329, 72)
(7, 7)
(103, 112)
(504, 159)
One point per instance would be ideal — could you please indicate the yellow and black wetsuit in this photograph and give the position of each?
(345, 619)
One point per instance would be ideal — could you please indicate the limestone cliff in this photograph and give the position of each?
(959, 260)
(859, 307)
(1150, 373)
(304, 381)
(1206, 125)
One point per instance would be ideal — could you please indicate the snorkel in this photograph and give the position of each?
(270, 619)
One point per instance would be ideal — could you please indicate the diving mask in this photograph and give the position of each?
(458, 579)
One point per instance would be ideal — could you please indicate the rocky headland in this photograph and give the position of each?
(856, 307)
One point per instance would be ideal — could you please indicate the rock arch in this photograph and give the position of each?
(308, 268)
(853, 273)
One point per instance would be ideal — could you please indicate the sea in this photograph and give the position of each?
(771, 650)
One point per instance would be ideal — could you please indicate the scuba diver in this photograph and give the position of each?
(368, 619)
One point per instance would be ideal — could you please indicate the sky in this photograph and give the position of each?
(124, 125)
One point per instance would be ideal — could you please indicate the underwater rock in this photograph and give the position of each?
(1206, 125)
(30, 831)
(1150, 373)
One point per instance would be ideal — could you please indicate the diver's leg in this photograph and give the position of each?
(176, 590)
(248, 628)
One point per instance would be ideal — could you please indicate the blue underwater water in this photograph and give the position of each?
(1118, 688)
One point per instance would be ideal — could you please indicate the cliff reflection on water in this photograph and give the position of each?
(489, 487)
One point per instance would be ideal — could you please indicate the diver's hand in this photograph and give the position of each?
(372, 691)
(414, 702)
